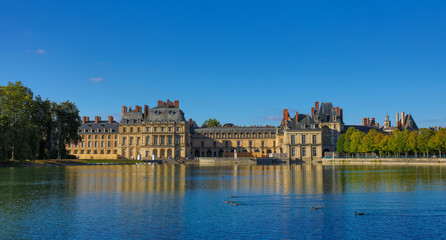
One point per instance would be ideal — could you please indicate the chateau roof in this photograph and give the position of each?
(102, 126)
(234, 129)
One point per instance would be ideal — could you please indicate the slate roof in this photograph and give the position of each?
(409, 123)
(161, 113)
(326, 113)
(103, 127)
(235, 129)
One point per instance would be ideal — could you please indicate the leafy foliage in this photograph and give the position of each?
(34, 128)
(399, 142)
(211, 122)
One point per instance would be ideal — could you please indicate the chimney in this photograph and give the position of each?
(373, 121)
(84, 119)
(110, 119)
(130, 108)
(177, 104)
(312, 111)
(160, 103)
(364, 121)
(190, 122)
(403, 119)
(87, 119)
(97, 119)
(146, 111)
(168, 103)
(297, 117)
(397, 120)
(377, 125)
(337, 111)
(342, 114)
(124, 110)
(368, 122)
(285, 114)
(316, 105)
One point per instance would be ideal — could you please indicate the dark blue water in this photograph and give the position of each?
(187, 202)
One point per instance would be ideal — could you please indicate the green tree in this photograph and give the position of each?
(356, 141)
(43, 116)
(211, 122)
(411, 143)
(67, 122)
(340, 144)
(18, 131)
(437, 141)
(424, 135)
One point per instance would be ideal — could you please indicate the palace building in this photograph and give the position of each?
(163, 132)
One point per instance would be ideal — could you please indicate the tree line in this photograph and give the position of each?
(424, 141)
(33, 128)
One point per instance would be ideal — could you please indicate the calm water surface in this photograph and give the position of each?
(178, 201)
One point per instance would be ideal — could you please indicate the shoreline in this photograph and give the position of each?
(384, 161)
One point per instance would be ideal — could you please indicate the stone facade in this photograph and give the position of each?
(163, 132)
(99, 139)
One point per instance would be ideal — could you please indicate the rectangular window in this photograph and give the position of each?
(138, 129)
(178, 141)
(178, 129)
(95, 144)
(169, 140)
(89, 144)
(138, 140)
(293, 152)
(250, 143)
(102, 144)
(226, 144)
(109, 144)
(214, 144)
(131, 129)
(109, 137)
(170, 129)
(162, 140)
(147, 153)
(148, 129)
(124, 141)
(314, 139)
(162, 129)
(131, 141)
(124, 129)
(263, 143)
(314, 152)
(147, 140)
(155, 140)
(116, 143)
(293, 139)
(304, 152)
(202, 144)
(154, 129)
(304, 140)
(238, 143)
(82, 144)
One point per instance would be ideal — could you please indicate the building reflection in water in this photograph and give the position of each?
(255, 179)
(128, 178)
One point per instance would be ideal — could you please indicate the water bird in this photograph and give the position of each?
(235, 203)
(232, 196)
(315, 208)
(359, 213)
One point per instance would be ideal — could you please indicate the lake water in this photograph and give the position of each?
(187, 201)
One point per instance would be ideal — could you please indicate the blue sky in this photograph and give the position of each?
(237, 61)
